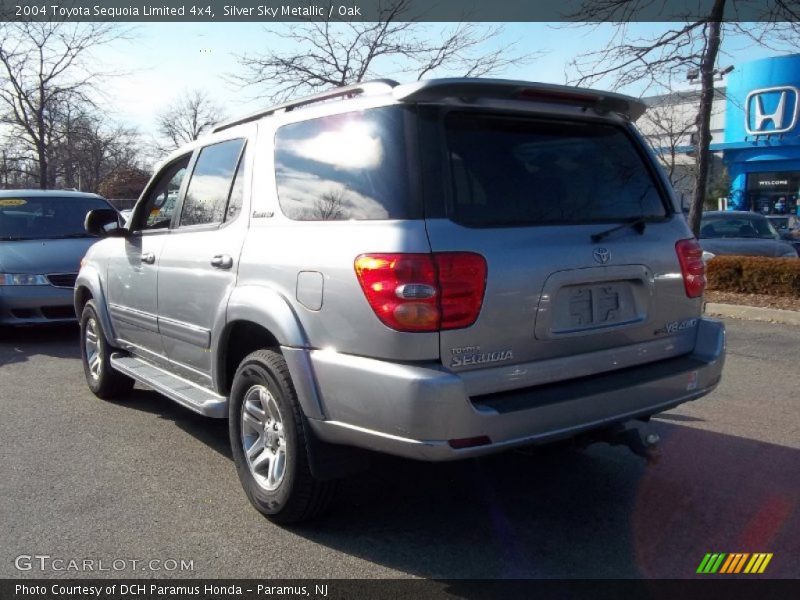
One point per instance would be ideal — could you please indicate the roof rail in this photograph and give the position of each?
(376, 86)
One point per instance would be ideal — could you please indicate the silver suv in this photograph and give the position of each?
(437, 270)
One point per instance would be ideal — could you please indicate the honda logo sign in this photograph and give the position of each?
(771, 110)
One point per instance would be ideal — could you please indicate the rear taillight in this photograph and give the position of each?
(693, 268)
(423, 292)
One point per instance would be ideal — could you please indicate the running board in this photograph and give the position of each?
(184, 392)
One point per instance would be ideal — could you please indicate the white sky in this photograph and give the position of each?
(162, 60)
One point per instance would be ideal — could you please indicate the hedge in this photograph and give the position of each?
(754, 275)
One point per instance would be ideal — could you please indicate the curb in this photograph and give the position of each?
(753, 313)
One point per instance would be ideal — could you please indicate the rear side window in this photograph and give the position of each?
(521, 171)
(237, 194)
(342, 167)
(210, 186)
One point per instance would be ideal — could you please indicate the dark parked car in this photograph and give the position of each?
(780, 223)
(788, 228)
(741, 233)
(42, 241)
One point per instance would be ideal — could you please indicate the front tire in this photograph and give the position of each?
(269, 443)
(103, 380)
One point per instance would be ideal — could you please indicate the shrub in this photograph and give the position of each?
(754, 275)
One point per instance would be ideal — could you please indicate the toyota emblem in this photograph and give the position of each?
(601, 255)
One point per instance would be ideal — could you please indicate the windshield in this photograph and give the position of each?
(740, 227)
(779, 222)
(515, 171)
(46, 217)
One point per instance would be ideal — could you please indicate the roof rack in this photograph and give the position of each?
(377, 86)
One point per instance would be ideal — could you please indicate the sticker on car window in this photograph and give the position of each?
(12, 202)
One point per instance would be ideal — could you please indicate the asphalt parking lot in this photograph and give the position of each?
(145, 479)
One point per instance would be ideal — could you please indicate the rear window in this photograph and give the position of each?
(521, 171)
(743, 227)
(45, 217)
(343, 167)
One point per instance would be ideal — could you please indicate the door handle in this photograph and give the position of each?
(222, 261)
(149, 258)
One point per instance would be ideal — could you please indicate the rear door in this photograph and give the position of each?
(529, 193)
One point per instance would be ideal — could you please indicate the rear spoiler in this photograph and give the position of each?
(506, 89)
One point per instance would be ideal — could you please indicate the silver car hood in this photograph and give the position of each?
(43, 256)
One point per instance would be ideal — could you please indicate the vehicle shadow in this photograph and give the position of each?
(212, 432)
(18, 344)
(556, 512)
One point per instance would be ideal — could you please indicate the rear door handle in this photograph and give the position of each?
(222, 261)
(149, 258)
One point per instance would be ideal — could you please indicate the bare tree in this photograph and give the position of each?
(669, 126)
(327, 53)
(692, 45)
(100, 150)
(43, 68)
(329, 207)
(124, 183)
(668, 131)
(17, 170)
(84, 149)
(188, 118)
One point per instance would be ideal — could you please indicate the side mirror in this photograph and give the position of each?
(103, 222)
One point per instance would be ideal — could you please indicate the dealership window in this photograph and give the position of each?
(773, 192)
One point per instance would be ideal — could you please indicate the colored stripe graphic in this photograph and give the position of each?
(719, 562)
(727, 564)
(767, 558)
(737, 563)
(711, 563)
(741, 562)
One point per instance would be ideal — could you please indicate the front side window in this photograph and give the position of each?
(210, 186)
(509, 171)
(343, 167)
(160, 202)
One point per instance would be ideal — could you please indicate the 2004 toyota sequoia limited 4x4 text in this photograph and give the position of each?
(437, 270)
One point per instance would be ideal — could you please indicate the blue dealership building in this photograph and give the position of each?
(761, 141)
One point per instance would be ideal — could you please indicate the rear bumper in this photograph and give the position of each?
(416, 412)
(35, 304)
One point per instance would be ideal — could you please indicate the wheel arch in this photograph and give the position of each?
(88, 287)
(259, 317)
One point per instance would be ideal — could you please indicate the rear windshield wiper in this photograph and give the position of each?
(638, 226)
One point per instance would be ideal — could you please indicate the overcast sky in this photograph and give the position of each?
(161, 60)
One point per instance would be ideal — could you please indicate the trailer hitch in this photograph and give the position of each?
(638, 440)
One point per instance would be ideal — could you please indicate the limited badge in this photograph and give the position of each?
(675, 327)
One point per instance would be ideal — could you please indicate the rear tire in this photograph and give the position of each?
(269, 442)
(101, 378)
